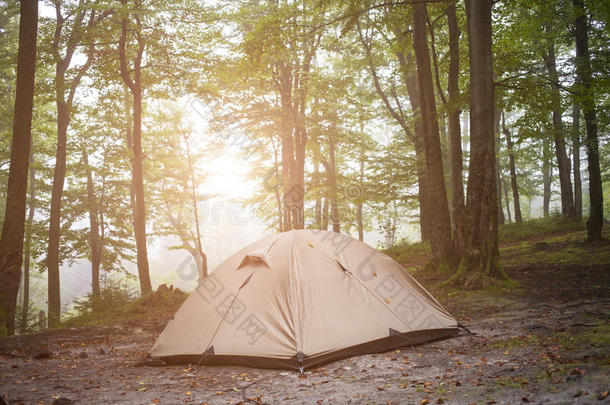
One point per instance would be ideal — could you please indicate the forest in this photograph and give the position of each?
(468, 140)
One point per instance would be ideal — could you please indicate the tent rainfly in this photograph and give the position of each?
(299, 299)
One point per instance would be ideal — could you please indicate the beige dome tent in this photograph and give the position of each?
(299, 299)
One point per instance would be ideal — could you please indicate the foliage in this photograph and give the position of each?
(118, 303)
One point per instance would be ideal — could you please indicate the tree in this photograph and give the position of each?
(587, 100)
(480, 262)
(11, 242)
(440, 236)
(457, 181)
(547, 175)
(512, 170)
(135, 86)
(394, 105)
(576, 160)
(28, 245)
(65, 90)
(563, 162)
(95, 244)
(174, 185)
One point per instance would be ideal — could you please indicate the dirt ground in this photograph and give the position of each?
(545, 342)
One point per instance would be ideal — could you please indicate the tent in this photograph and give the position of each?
(299, 299)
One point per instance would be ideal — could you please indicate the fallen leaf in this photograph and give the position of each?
(602, 395)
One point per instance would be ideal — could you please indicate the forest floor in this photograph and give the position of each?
(542, 338)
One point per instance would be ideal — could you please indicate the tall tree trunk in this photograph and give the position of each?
(331, 173)
(64, 97)
(140, 214)
(583, 71)
(135, 86)
(203, 259)
(410, 79)
(59, 173)
(129, 138)
(481, 255)
(500, 210)
(318, 188)
(547, 176)
(325, 214)
(506, 199)
(287, 148)
(513, 173)
(359, 198)
(298, 216)
(576, 160)
(277, 187)
(25, 307)
(425, 215)
(465, 139)
(455, 141)
(440, 242)
(563, 162)
(501, 217)
(11, 243)
(94, 231)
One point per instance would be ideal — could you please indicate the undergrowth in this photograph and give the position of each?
(118, 303)
(513, 232)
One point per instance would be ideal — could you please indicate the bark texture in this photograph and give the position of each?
(576, 160)
(583, 71)
(440, 235)
(457, 180)
(480, 261)
(11, 243)
(513, 173)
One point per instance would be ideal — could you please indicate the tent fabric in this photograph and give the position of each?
(299, 299)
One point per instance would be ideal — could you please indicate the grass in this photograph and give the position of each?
(599, 336)
(508, 233)
(567, 249)
(406, 253)
(516, 342)
(550, 241)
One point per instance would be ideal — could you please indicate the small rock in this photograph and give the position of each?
(42, 354)
(62, 401)
(83, 355)
(101, 351)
